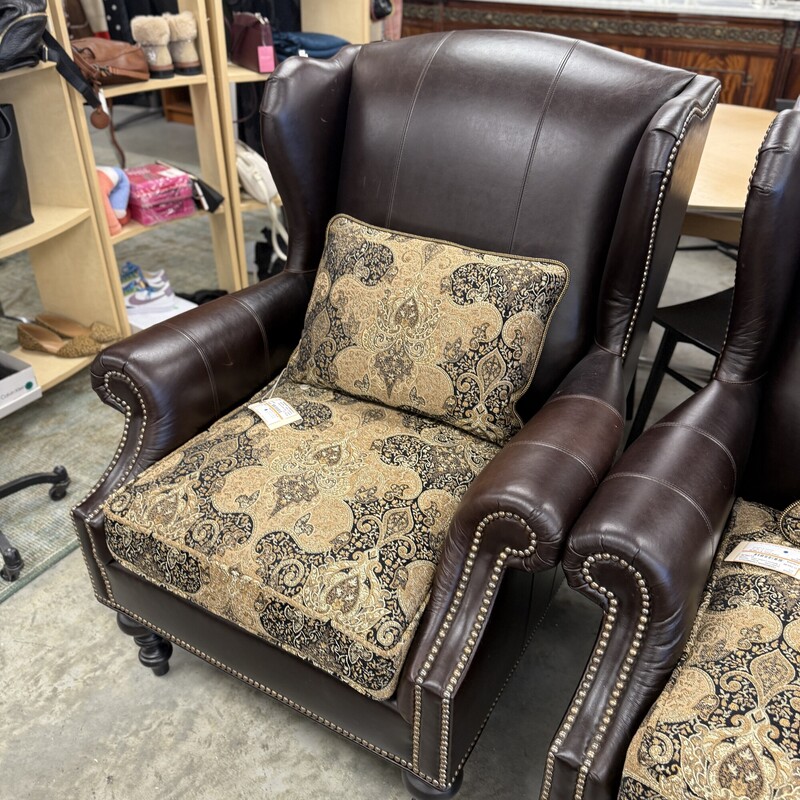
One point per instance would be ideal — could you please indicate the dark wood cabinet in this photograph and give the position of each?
(757, 60)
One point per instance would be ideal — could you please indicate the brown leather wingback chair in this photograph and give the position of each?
(643, 548)
(507, 141)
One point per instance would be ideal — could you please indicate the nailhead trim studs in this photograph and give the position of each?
(603, 639)
(402, 762)
(665, 180)
(117, 455)
(472, 639)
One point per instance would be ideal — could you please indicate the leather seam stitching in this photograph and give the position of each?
(708, 435)
(417, 89)
(535, 139)
(740, 383)
(264, 336)
(668, 485)
(561, 449)
(594, 399)
(211, 380)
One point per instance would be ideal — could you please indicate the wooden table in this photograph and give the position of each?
(720, 189)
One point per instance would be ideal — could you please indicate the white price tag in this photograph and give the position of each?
(776, 557)
(103, 101)
(275, 412)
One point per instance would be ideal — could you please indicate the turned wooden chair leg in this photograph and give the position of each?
(419, 790)
(154, 650)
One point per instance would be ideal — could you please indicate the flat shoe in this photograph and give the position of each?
(69, 329)
(35, 337)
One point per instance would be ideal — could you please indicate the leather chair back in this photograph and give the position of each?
(515, 142)
(764, 330)
(774, 467)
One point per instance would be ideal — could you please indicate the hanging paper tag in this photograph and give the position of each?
(103, 101)
(776, 557)
(275, 412)
(266, 58)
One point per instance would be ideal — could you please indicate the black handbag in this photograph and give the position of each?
(22, 24)
(15, 202)
(25, 41)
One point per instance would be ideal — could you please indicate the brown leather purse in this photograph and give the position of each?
(105, 62)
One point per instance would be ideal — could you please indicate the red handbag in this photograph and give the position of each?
(251, 42)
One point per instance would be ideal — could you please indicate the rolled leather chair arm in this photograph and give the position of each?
(173, 380)
(517, 513)
(642, 551)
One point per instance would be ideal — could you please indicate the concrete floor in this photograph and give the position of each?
(82, 719)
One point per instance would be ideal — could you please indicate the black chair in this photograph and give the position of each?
(11, 562)
(701, 323)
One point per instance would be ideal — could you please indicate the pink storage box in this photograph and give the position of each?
(159, 193)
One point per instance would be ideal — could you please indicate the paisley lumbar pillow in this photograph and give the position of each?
(425, 325)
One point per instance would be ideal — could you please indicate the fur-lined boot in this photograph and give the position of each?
(152, 33)
(182, 37)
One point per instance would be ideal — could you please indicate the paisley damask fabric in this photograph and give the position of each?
(321, 536)
(727, 725)
(427, 326)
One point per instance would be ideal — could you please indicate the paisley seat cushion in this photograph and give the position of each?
(727, 725)
(321, 536)
(446, 331)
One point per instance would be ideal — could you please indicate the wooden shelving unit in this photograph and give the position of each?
(64, 243)
(49, 221)
(228, 76)
(69, 246)
(349, 19)
(156, 85)
(213, 166)
(133, 228)
(237, 74)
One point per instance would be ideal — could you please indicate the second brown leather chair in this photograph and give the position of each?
(643, 548)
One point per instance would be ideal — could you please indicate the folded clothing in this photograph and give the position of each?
(115, 189)
(315, 45)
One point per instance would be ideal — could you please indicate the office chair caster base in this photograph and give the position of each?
(12, 560)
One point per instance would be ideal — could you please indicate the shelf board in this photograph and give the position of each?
(134, 228)
(154, 85)
(248, 203)
(51, 370)
(48, 221)
(237, 74)
(15, 73)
